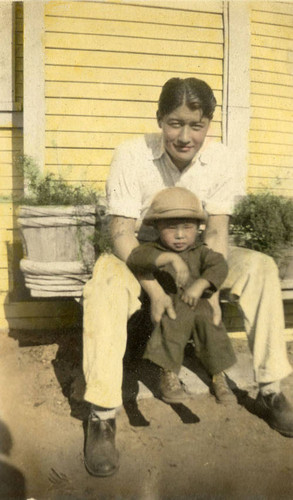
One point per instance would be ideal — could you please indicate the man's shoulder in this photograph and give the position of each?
(214, 150)
(145, 145)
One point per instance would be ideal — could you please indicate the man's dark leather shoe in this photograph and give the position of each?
(101, 457)
(276, 410)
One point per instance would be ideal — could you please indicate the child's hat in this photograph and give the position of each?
(175, 202)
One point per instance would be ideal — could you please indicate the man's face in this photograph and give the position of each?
(178, 234)
(184, 131)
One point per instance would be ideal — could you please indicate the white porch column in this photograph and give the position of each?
(238, 94)
(34, 81)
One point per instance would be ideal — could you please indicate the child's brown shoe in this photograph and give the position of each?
(172, 390)
(221, 389)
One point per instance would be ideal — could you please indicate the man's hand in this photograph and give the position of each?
(193, 293)
(160, 305)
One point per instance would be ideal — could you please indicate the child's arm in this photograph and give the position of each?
(194, 292)
(214, 270)
(146, 259)
(180, 267)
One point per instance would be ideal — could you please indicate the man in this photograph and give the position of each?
(179, 156)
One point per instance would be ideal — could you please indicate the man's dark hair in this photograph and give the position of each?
(195, 93)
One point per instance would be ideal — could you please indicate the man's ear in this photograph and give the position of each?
(159, 119)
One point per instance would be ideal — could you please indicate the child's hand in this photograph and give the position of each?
(181, 270)
(194, 292)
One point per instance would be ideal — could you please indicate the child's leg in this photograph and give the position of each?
(212, 344)
(169, 338)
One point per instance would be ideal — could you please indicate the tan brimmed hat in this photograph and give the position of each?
(175, 202)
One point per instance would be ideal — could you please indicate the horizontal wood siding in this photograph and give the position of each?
(19, 52)
(271, 129)
(105, 65)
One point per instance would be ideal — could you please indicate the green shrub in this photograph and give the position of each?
(263, 222)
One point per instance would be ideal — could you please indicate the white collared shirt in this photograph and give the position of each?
(141, 167)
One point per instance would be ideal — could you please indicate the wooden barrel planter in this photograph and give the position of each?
(58, 246)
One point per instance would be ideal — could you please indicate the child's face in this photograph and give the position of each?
(178, 234)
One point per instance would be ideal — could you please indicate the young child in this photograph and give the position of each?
(186, 269)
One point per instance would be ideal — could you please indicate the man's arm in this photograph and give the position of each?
(216, 233)
(216, 238)
(122, 231)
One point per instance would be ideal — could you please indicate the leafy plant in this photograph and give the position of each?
(264, 222)
(52, 190)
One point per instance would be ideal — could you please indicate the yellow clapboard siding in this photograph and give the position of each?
(78, 172)
(83, 107)
(91, 139)
(272, 90)
(18, 25)
(9, 156)
(100, 123)
(281, 192)
(108, 124)
(271, 184)
(84, 141)
(6, 208)
(19, 39)
(124, 12)
(272, 17)
(198, 5)
(111, 43)
(78, 156)
(274, 31)
(276, 160)
(19, 51)
(271, 172)
(269, 53)
(11, 183)
(275, 114)
(19, 64)
(8, 132)
(19, 77)
(271, 149)
(272, 102)
(71, 156)
(271, 125)
(129, 60)
(107, 91)
(19, 90)
(4, 281)
(123, 76)
(8, 222)
(131, 29)
(272, 78)
(10, 143)
(271, 137)
(271, 42)
(271, 66)
(275, 7)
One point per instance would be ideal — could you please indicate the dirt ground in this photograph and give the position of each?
(200, 450)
